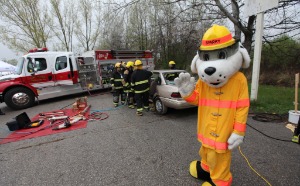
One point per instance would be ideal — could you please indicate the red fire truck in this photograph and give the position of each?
(42, 74)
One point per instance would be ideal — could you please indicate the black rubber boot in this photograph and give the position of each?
(197, 172)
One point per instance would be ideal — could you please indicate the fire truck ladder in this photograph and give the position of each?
(127, 54)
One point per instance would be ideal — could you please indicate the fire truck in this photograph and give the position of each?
(42, 74)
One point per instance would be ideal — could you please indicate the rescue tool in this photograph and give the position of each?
(68, 122)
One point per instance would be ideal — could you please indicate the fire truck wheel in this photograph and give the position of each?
(160, 107)
(19, 98)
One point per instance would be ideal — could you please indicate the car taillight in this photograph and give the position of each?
(175, 95)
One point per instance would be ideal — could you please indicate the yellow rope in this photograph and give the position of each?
(253, 168)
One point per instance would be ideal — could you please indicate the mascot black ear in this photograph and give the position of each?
(246, 57)
(194, 63)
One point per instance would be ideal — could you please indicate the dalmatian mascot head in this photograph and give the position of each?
(219, 57)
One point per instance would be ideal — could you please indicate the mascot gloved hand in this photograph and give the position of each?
(185, 84)
(221, 94)
(234, 141)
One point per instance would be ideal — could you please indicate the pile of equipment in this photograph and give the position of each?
(57, 119)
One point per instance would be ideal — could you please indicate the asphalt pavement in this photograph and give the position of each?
(126, 149)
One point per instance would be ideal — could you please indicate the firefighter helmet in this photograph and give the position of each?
(216, 37)
(129, 64)
(118, 65)
(138, 63)
(172, 63)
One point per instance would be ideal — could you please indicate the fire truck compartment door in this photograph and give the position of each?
(38, 72)
(63, 75)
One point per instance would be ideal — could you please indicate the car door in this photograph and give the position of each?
(38, 72)
(63, 71)
(155, 84)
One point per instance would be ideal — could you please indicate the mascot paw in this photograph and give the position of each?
(185, 84)
(234, 141)
(197, 172)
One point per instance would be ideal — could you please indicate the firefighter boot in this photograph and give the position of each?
(139, 111)
(208, 183)
(197, 172)
(151, 105)
(296, 137)
(123, 98)
(146, 109)
(130, 103)
(116, 100)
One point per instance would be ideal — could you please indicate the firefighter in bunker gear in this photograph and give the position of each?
(123, 66)
(127, 86)
(172, 64)
(171, 76)
(140, 81)
(117, 82)
(223, 103)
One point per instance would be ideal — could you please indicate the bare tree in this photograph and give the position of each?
(112, 27)
(24, 24)
(283, 21)
(63, 29)
(88, 23)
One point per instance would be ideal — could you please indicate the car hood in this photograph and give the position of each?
(9, 77)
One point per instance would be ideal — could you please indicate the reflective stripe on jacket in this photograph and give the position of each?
(221, 111)
(140, 80)
(127, 79)
(117, 80)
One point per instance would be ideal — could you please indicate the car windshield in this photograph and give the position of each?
(170, 76)
(19, 66)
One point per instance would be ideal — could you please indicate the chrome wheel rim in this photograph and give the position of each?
(20, 99)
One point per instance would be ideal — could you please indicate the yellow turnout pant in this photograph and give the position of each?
(217, 164)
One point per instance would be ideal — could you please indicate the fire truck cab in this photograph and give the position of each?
(42, 74)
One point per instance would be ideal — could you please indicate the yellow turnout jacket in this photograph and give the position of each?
(221, 111)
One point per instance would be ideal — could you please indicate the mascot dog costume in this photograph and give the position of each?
(221, 94)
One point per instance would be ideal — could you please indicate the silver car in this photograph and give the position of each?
(164, 93)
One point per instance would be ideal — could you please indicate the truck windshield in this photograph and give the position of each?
(19, 66)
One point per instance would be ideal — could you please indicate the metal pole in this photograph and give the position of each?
(257, 55)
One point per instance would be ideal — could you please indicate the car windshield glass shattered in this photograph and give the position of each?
(170, 76)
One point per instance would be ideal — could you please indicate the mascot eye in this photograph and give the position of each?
(222, 55)
(206, 57)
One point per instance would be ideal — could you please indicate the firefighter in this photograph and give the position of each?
(172, 64)
(117, 82)
(171, 76)
(123, 66)
(127, 87)
(80, 61)
(140, 81)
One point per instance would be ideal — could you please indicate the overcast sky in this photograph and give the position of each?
(6, 53)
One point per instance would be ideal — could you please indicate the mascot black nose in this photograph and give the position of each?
(210, 70)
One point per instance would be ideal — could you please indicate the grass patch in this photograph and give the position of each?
(273, 99)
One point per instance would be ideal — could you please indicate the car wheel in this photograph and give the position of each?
(19, 98)
(160, 107)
